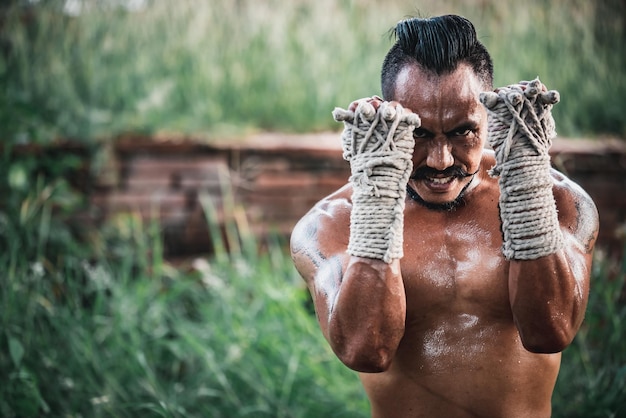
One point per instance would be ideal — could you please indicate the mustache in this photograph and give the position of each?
(428, 172)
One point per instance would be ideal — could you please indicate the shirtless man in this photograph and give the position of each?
(464, 318)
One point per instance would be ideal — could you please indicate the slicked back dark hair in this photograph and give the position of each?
(437, 44)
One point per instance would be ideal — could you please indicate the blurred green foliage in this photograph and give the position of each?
(592, 380)
(91, 69)
(96, 323)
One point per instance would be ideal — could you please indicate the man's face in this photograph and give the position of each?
(449, 142)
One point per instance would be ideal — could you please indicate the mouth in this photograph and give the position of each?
(438, 192)
(439, 185)
(440, 180)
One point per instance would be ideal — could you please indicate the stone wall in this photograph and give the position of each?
(265, 183)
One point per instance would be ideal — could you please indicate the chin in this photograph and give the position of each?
(447, 206)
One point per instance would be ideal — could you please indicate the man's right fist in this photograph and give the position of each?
(378, 142)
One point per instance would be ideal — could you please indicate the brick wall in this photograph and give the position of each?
(599, 167)
(263, 185)
(276, 178)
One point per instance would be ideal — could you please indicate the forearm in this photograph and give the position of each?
(366, 318)
(546, 297)
(547, 301)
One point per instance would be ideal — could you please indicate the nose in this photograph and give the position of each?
(439, 154)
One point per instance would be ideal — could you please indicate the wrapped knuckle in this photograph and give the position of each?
(379, 144)
(521, 129)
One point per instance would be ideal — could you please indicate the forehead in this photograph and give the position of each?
(425, 93)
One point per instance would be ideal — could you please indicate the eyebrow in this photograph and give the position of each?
(466, 125)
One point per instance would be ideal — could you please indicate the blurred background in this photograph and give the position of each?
(155, 155)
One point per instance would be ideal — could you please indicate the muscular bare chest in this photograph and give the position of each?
(460, 344)
(453, 264)
(456, 284)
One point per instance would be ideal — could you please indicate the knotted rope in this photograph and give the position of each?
(379, 146)
(521, 129)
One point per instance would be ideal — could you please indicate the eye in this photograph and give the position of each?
(462, 132)
(421, 133)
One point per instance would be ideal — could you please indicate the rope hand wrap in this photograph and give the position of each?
(521, 129)
(379, 146)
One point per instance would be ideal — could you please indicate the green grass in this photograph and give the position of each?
(133, 336)
(223, 68)
(96, 323)
(592, 381)
(229, 336)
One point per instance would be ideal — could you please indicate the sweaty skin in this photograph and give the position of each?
(453, 329)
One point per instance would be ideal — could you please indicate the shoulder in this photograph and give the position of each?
(329, 212)
(323, 232)
(569, 191)
(577, 211)
(488, 158)
(487, 162)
